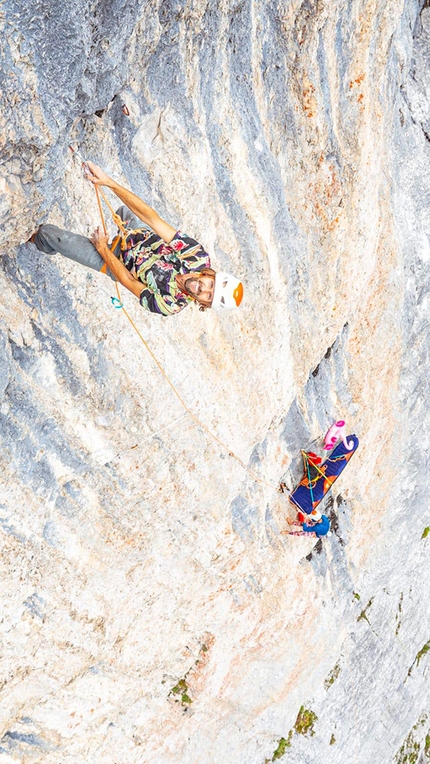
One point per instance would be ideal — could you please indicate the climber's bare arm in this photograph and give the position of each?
(143, 211)
(100, 241)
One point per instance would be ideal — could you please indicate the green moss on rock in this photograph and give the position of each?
(283, 744)
(424, 650)
(333, 675)
(181, 689)
(414, 745)
(305, 722)
(363, 614)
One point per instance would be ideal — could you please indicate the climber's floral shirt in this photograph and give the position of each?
(156, 264)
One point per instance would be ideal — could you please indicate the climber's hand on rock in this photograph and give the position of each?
(100, 241)
(96, 175)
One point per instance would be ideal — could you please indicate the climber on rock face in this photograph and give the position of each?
(164, 268)
(319, 525)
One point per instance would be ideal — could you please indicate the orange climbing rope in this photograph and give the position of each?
(117, 220)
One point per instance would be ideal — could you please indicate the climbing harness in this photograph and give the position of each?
(117, 303)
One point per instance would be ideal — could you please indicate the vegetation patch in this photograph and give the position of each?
(181, 689)
(283, 744)
(304, 725)
(399, 614)
(333, 675)
(305, 722)
(424, 650)
(414, 745)
(363, 614)
(180, 693)
(356, 595)
(426, 532)
(332, 740)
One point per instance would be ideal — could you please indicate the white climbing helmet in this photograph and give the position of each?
(315, 515)
(228, 291)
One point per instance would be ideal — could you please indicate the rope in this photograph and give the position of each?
(117, 302)
(306, 460)
(150, 437)
(102, 217)
(116, 218)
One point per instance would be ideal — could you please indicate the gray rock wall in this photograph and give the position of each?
(151, 609)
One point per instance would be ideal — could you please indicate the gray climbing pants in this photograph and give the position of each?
(51, 239)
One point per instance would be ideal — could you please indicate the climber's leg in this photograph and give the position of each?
(51, 239)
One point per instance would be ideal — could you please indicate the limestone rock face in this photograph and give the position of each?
(152, 611)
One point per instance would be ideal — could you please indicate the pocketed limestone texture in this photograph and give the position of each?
(292, 140)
